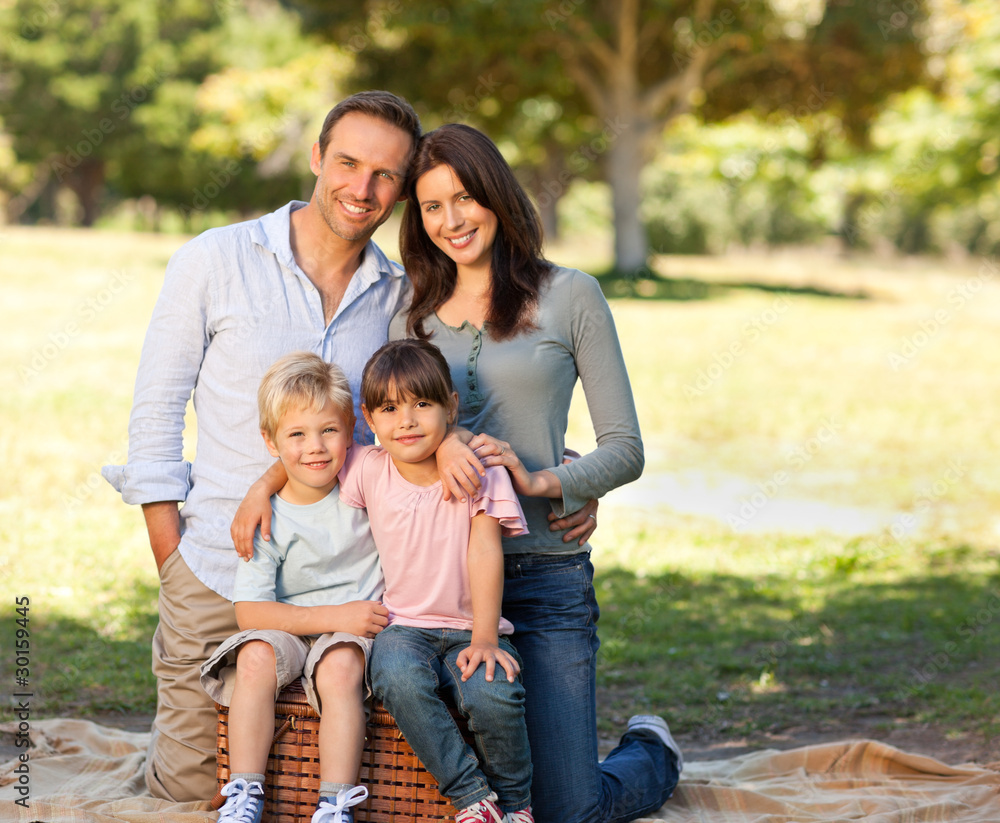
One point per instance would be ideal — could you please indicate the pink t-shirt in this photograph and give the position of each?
(423, 541)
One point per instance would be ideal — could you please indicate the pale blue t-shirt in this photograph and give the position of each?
(322, 554)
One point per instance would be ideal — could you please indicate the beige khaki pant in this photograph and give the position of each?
(194, 620)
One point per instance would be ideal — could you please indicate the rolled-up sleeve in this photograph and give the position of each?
(168, 372)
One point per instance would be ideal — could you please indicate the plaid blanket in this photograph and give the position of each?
(79, 772)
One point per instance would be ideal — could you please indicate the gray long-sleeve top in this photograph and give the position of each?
(520, 390)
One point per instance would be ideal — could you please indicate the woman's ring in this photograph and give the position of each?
(590, 515)
(503, 450)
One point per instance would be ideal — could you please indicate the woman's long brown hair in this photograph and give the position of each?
(517, 267)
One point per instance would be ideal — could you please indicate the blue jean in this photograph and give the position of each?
(551, 602)
(412, 669)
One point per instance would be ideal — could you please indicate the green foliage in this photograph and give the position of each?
(743, 183)
(199, 105)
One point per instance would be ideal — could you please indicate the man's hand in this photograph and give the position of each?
(163, 523)
(580, 525)
(254, 510)
(490, 654)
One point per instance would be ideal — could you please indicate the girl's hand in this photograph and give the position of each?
(579, 525)
(490, 654)
(255, 509)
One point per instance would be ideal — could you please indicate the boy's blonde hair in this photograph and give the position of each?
(302, 379)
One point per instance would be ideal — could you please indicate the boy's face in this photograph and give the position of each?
(312, 446)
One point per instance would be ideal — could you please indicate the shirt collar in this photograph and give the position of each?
(273, 232)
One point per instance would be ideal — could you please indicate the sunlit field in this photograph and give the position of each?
(815, 535)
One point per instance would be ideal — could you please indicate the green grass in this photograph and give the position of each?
(726, 631)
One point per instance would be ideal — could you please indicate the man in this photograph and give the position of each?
(234, 300)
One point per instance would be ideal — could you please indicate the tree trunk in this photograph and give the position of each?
(87, 182)
(624, 168)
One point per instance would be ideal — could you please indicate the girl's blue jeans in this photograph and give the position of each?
(411, 669)
(551, 602)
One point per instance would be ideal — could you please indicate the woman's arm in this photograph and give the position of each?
(618, 458)
(486, 582)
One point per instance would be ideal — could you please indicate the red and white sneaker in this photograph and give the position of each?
(483, 811)
(523, 816)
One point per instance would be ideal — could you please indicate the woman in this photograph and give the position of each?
(517, 331)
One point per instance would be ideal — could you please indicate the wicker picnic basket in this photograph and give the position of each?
(399, 786)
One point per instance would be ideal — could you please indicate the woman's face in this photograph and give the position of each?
(455, 223)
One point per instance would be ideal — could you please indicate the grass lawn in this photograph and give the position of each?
(798, 379)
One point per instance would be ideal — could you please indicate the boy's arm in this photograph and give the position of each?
(364, 618)
(486, 583)
(255, 509)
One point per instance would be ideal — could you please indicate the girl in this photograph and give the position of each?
(443, 570)
(517, 332)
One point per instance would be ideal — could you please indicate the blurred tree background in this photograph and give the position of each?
(687, 126)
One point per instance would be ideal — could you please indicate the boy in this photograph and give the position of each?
(307, 603)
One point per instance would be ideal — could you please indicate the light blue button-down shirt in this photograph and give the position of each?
(233, 301)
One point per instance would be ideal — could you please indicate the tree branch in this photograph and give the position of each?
(598, 49)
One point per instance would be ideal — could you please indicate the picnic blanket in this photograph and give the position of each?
(80, 772)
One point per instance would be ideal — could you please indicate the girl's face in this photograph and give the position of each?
(411, 429)
(455, 223)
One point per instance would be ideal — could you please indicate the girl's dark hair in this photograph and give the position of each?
(517, 267)
(415, 368)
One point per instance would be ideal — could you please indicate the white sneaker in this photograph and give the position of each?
(339, 809)
(659, 727)
(245, 803)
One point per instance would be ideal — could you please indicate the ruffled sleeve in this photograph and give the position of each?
(496, 498)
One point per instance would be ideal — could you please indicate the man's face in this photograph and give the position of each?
(360, 179)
